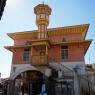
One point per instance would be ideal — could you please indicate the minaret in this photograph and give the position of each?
(42, 12)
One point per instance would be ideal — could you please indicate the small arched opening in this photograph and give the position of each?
(64, 40)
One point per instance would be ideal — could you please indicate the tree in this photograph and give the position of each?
(2, 6)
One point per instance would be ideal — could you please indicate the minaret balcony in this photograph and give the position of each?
(39, 60)
(40, 43)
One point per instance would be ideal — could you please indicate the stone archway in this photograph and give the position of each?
(21, 68)
(28, 77)
(29, 83)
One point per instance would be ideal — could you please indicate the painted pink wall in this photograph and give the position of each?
(76, 51)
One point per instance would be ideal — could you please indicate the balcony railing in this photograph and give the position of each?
(38, 60)
(45, 60)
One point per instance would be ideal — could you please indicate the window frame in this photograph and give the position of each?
(66, 50)
(26, 54)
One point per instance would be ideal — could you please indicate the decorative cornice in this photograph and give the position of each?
(72, 42)
(11, 48)
(52, 31)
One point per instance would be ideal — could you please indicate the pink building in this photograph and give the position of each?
(34, 51)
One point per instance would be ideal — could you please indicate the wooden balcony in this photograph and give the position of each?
(39, 42)
(39, 60)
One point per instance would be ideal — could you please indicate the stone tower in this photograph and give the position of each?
(42, 12)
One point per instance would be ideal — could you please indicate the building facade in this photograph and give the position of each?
(37, 53)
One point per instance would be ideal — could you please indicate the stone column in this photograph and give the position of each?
(47, 75)
(17, 88)
(11, 87)
(76, 81)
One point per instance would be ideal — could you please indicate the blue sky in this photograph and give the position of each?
(19, 16)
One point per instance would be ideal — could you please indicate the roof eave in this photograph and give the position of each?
(86, 31)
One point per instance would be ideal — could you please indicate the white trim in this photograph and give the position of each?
(70, 66)
(21, 68)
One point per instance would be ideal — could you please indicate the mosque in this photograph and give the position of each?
(44, 60)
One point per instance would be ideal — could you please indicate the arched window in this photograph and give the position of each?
(63, 40)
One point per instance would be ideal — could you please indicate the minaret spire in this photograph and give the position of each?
(42, 12)
(43, 2)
